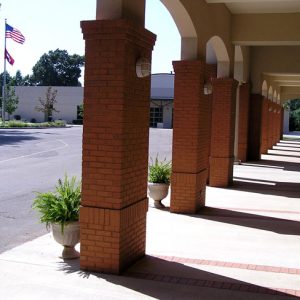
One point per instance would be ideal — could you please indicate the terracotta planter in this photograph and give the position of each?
(69, 238)
(158, 191)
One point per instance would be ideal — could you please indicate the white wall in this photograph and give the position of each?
(67, 100)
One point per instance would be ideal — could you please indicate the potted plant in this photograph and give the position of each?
(159, 180)
(60, 209)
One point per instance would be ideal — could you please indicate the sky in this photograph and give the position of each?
(52, 24)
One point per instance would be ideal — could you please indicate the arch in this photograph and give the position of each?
(186, 28)
(278, 99)
(275, 96)
(264, 89)
(216, 53)
(270, 93)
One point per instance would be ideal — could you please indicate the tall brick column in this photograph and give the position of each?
(190, 138)
(281, 122)
(255, 128)
(264, 126)
(270, 123)
(115, 146)
(243, 121)
(222, 132)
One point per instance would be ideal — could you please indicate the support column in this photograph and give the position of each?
(282, 112)
(115, 146)
(222, 132)
(264, 126)
(243, 122)
(270, 124)
(255, 121)
(190, 136)
(275, 121)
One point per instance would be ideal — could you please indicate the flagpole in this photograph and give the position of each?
(4, 79)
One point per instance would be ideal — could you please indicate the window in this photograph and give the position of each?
(156, 116)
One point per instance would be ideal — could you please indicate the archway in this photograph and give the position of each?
(217, 54)
(264, 89)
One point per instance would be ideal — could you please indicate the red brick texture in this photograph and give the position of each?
(243, 121)
(115, 145)
(264, 126)
(255, 126)
(222, 132)
(190, 137)
(270, 124)
(281, 122)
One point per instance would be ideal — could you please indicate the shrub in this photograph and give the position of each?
(61, 206)
(160, 171)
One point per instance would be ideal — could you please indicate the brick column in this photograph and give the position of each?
(264, 126)
(115, 146)
(190, 136)
(243, 122)
(274, 138)
(281, 122)
(222, 132)
(255, 121)
(270, 124)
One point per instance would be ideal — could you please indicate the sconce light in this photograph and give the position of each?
(143, 67)
(270, 109)
(278, 111)
(207, 90)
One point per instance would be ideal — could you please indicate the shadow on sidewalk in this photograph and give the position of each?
(266, 187)
(162, 279)
(281, 226)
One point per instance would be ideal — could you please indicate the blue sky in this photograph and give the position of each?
(48, 25)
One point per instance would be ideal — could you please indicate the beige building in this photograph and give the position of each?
(68, 99)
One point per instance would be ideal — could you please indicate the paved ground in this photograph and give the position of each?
(33, 160)
(244, 245)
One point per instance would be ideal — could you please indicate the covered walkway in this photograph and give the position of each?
(244, 245)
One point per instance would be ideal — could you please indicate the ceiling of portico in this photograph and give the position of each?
(260, 6)
(287, 85)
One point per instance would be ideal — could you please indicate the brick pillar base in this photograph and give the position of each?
(255, 121)
(264, 126)
(222, 132)
(115, 146)
(270, 124)
(243, 122)
(190, 138)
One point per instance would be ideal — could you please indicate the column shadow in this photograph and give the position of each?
(163, 279)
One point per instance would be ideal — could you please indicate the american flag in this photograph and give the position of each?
(14, 34)
(9, 57)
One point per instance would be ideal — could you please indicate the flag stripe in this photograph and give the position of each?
(14, 34)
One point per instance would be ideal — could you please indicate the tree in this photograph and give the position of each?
(58, 68)
(294, 106)
(47, 105)
(11, 100)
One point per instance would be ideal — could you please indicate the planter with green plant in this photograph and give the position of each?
(159, 180)
(60, 209)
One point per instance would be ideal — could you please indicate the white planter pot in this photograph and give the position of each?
(158, 191)
(68, 238)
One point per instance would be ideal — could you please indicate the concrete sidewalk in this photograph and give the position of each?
(244, 245)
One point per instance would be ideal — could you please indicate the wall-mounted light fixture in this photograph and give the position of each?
(143, 67)
(270, 109)
(207, 89)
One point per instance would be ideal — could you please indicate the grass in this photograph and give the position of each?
(22, 124)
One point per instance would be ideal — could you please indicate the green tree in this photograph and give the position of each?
(46, 105)
(58, 68)
(11, 100)
(294, 106)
